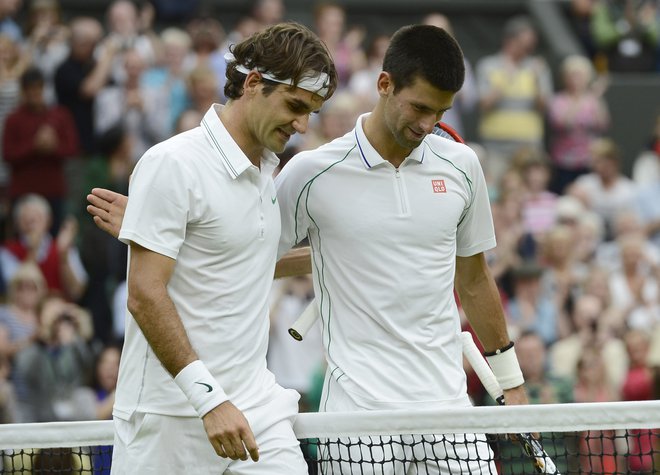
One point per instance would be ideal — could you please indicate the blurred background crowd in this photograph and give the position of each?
(577, 215)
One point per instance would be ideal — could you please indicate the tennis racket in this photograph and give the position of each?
(532, 447)
(446, 131)
(304, 322)
(306, 319)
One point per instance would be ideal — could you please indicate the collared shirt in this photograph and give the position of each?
(196, 198)
(384, 243)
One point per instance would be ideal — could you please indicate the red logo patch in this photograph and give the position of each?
(439, 186)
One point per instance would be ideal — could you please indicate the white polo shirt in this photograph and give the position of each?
(384, 243)
(196, 198)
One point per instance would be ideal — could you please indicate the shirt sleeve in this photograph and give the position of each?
(476, 232)
(292, 189)
(159, 205)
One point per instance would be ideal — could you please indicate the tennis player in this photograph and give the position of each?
(203, 227)
(397, 218)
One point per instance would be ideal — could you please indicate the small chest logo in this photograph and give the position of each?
(439, 186)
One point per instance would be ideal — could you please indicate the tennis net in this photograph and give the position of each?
(596, 438)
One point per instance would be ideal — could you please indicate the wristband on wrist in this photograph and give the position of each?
(200, 387)
(506, 369)
(506, 347)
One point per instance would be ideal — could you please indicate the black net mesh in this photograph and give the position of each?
(594, 452)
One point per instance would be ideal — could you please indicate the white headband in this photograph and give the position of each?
(317, 84)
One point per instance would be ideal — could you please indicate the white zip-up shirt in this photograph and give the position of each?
(384, 244)
(196, 198)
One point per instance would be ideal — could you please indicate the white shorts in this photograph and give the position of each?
(399, 454)
(162, 445)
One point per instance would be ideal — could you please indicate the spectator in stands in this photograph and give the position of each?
(12, 66)
(142, 110)
(579, 17)
(514, 88)
(539, 205)
(564, 273)
(82, 75)
(169, 74)
(8, 26)
(129, 31)
(362, 81)
(106, 371)
(38, 139)
(590, 235)
(626, 33)
(597, 451)
(590, 319)
(466, 99)
(638, 383)
(344, 46)
(605, 189)
(625, 223)
(202, 86)
(48, 41)
(19, 315)
(529, 309)
(639, 386)
(207, 36)
(592, 381)
(542, 386)
(646, 167)
(57, 367)
(511, 239)
(58, 258)
(634, 287)
(577, 114)
(267, 12)
(9, 412)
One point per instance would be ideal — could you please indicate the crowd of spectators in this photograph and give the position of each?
(578, 255)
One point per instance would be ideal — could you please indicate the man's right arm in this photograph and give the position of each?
(155, 313)
(107, 208)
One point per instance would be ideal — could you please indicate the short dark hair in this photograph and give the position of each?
(287, 51)
(426, 52)
(32, 76)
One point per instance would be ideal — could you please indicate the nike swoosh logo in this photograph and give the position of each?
(273, 200)
(208, 387)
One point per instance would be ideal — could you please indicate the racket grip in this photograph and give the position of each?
(304, 322)
(480, 366)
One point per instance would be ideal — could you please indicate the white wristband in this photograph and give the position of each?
(200, 387)
(506, 369)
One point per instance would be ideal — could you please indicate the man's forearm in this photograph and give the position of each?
(153, 309)
(297, 261)
(161, 325)
(481, 302)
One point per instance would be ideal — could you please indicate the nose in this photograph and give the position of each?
(427, 123)
(300, 123)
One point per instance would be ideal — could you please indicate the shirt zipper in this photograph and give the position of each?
(403, 201)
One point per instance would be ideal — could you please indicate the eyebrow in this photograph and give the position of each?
(299, 104)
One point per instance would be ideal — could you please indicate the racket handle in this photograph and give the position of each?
(480, 366)
(533, 448)
(304, 322)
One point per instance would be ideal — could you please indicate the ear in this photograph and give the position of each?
(384, 84)
(252, 81)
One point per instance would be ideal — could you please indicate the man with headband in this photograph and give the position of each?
(203, 225)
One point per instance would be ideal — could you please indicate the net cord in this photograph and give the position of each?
(501, 420)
